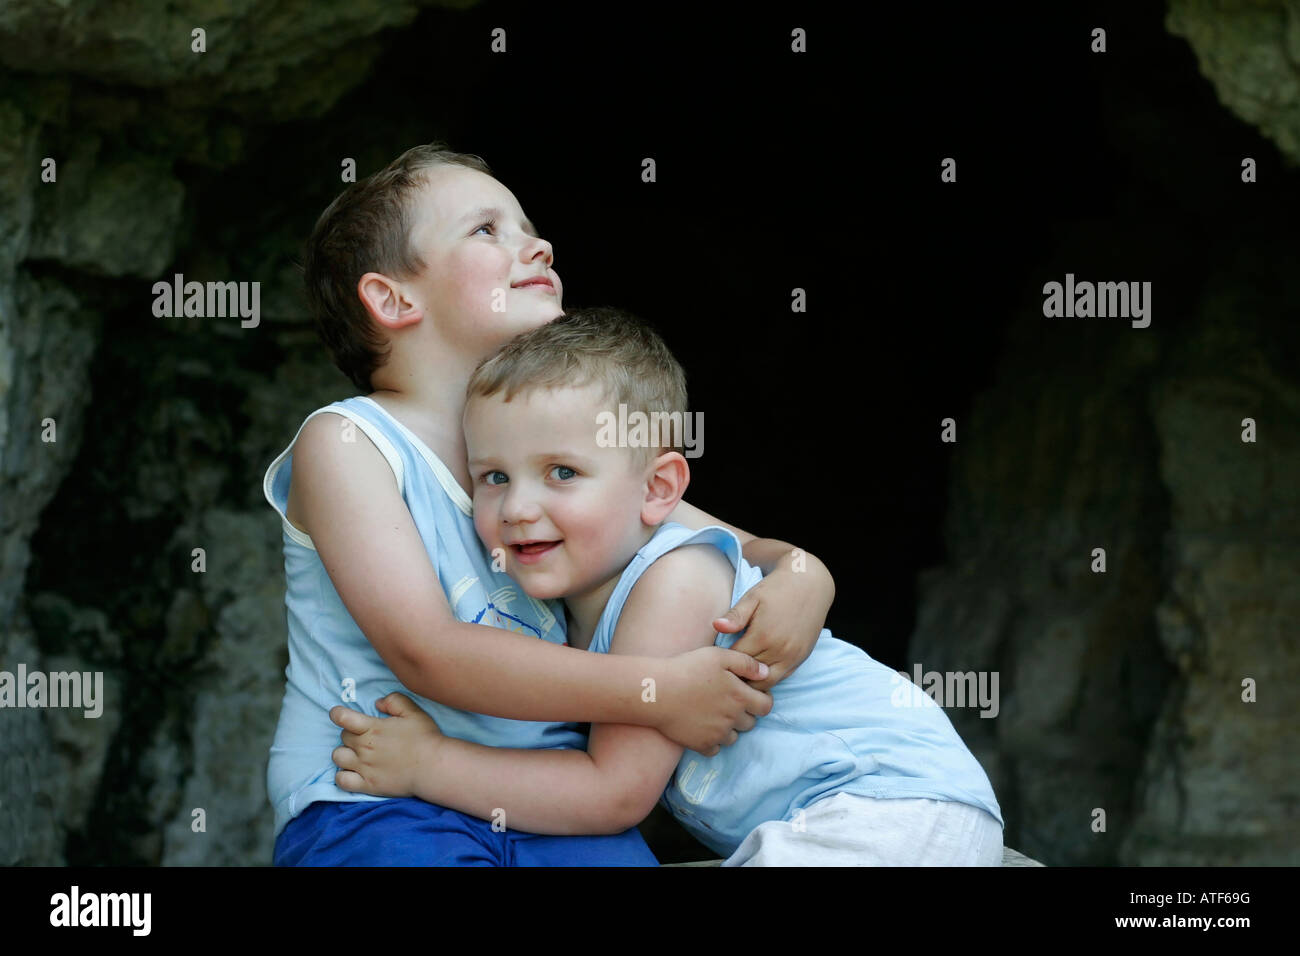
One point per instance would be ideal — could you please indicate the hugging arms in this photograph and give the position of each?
(366, 539)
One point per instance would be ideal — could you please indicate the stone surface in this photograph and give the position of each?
(108, 215)
(1037, 485)
(1220, 782)
(161, 434)
(46, 340)
(250, 45)
(1123, 735)
(236, 701)
(1250, 51)
(33, 811)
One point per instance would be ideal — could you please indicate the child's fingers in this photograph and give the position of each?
(775, 672)
(350, 781)
(395, 704)
(757, 702)
(350, 719)
(738, 617)
(744, 666)
(345, 758)
(749, 644)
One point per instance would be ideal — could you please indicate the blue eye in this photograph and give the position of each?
(490, 224)
(487, 477)
(570, 471)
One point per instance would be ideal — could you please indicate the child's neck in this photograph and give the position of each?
(431, 404)
(583, 611)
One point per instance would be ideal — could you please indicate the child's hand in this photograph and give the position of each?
(784, 614)
(707, 701)
(385, 756)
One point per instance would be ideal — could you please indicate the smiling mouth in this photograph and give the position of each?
(534, 547)
(543, 284)
(532, 551)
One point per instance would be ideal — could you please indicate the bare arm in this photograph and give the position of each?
(609, 788)
(348, 502)
(783, 615)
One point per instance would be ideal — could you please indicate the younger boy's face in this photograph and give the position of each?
(540, 476)
(487, 275)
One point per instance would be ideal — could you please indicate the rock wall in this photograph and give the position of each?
(1218, 784)
(158, 432)
(1250, 51)
(1123, 691)
(1159, 691)
(1046, 471)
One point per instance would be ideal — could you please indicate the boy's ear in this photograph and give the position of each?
(386, 302)
(666, 481)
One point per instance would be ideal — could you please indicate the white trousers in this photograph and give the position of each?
(849, 830)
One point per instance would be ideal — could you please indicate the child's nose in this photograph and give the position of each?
(519, 505)
(537, 247)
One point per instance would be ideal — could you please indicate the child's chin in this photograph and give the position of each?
(541, 592)
(546, 311)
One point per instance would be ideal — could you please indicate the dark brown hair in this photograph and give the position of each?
(367, 228)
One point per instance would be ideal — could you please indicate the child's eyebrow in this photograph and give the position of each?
(492, 212)
(559, 455)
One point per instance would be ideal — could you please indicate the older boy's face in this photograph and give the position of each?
(487, 275)
(540, 476)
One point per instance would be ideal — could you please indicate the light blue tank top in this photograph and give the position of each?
(331, 662)
(841, 723)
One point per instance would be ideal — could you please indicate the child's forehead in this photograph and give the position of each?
(558, 402)
(566, 410)
(449, 192)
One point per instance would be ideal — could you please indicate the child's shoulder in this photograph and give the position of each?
(672, 602)
(696, 557)
(335, 453)
(328, 440)
(692, 569)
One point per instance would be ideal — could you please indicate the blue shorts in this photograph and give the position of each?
(409, 832)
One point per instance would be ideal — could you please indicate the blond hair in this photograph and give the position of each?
(600, 346)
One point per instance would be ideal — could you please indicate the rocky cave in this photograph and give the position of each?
(127, 441)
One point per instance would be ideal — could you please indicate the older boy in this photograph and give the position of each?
(414, 276)
(849, 768)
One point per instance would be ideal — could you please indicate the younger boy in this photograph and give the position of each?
(852, 766)
(414, 276)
